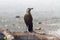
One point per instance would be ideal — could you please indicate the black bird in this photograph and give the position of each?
(28, 19)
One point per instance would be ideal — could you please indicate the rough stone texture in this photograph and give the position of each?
(33, 36)
(30, 36)
(26, 38)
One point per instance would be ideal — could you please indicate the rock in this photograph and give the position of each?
(8, 34)
(17, 16)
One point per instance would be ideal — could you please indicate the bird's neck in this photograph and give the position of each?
(28, 12)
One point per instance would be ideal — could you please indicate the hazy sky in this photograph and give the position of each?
(41, 7)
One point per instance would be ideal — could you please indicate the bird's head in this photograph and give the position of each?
(29, 9)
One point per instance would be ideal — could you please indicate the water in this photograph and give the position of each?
(18, 25)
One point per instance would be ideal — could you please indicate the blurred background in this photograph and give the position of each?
(45, 11)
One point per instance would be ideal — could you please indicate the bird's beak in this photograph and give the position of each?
(31, 8)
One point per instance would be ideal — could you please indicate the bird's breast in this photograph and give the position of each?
(28, 17)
